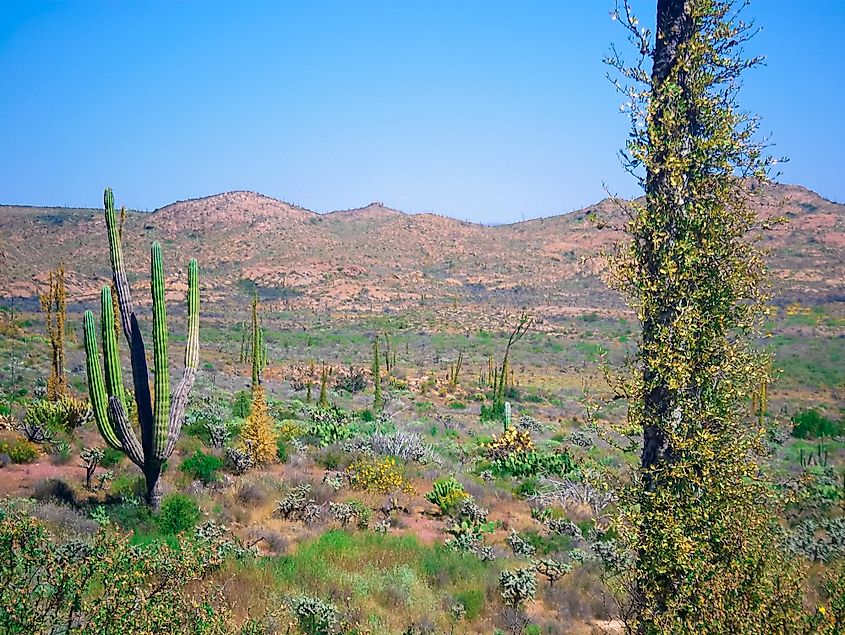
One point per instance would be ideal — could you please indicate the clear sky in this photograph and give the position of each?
(484, 110)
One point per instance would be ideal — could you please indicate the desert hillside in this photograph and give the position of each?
(375, 258)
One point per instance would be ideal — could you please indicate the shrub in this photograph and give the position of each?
(106, 584)
(242, 405)
(379, 476)
(315, 617)
(178, 513)
(473, 602)
(330, 424)
(128, 485)
(447, 494)
(351, 380)
(282, 451)
(290, 429)
(811, 424)
(111, 457)
(405, 446)
(493, 412)
(20, 450)
(203, 467)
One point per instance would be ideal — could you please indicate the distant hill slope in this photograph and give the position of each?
(375, 257)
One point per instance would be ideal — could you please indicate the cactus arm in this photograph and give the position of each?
(140, 381)
(180, 395)
(96, 385)
(161, 407)
(111, 355)
(123, 429)
(118, 272)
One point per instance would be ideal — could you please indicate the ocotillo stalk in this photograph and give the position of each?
(160, 420)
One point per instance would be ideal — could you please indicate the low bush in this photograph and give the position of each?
(111, 457)
(106, 584)
(811, 424)
(178, 513)
(379, 476)
(202, 467)
(282, 450)
(242, 405)
(20, 450)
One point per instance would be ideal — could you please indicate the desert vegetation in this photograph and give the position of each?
(670, 459)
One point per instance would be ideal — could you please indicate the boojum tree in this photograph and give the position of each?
(698, 515)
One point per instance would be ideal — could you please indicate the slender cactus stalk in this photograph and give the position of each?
(256, 344)
(54, 306)
(160, 419)
(378, 398)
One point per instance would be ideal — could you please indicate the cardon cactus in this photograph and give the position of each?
(160, 418)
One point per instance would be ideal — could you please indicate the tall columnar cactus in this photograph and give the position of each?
(378, 399)
(257, 341)
(54, 306)
(160, 418)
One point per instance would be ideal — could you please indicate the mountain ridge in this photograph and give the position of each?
(375, 258)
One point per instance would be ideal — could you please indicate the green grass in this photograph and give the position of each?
(386, 569)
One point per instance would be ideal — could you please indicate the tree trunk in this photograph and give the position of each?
(152, 476)
(674, 27)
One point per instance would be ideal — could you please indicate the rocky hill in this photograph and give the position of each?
(376, 258)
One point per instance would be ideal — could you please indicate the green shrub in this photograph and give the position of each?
(203, 467)
(457, 405)
(111, 457)
(242, 405)
(493, 412)
(367, 415)
(60, 586)
(527, 487)
(128, 486)
(20, 450)
(282, 450)
(472, 601)
(178, 513)
(811, 424)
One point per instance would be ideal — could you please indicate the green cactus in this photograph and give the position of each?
(378, 398)
(160, 419)
(257, 341)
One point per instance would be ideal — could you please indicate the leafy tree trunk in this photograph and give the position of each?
(674, 28)
(698, 516)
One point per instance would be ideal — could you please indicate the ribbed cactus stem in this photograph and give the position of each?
(111, 354)
(192, 350)
(116, 259)
(161, 366)
(96, 386)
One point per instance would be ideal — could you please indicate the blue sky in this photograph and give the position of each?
(485, 110)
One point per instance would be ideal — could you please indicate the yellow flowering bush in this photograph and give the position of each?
(378, 476)
(290, 429)
(511, 441)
